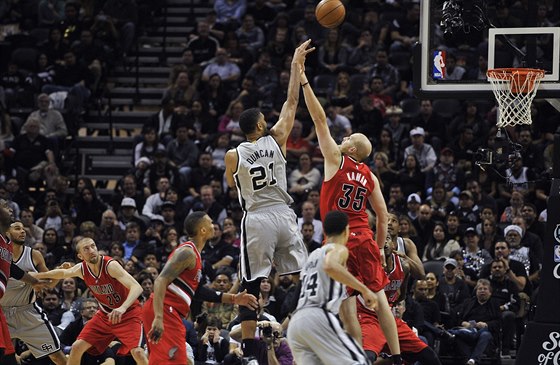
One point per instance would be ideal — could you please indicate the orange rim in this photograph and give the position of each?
(522, 80)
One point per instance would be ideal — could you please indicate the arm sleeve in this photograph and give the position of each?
(205, 294)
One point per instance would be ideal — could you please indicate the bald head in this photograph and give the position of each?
(362, 144)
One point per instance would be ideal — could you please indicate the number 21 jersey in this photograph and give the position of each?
(347, 191)
(261, 174)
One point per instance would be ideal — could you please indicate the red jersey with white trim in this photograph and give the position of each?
(109, 292)
(347, 191)
(181, 291)
(6, 253)
(396, 278)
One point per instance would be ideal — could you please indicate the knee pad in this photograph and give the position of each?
(252, 287)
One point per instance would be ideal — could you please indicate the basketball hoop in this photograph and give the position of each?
(514, 88)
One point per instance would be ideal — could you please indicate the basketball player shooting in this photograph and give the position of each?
(347, 184)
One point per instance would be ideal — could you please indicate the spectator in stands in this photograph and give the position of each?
(229, 13)
(388, 72)
(521, 176)
(333, 55)
(123, 14)
(50, 12)
(424, 152)
(297, 145)
(411, 178)
(467, 210)
(469, 117)
(215, 95)
(514, 209)
(490, 234)
(528, 256)
(212, 348)
(360, 56)
(515, 270)
(33, 156)
(268, 14)
(201, 124)
(228, 71)
(446, 173)
(405, 32)
(33, 233)
(217, 253)
(308, 211)
(310, 27)
(251, 38)
(170, 241)
(224, 312)
(229, 122)
(479, 321)
(134, 248)
(73, 78)
(528, 212)
(382, 169)
(206, 202)
(169, 215)
(339, 125)
(432, 327)
(453, 292)
(127, 188)
(439, 247)
(307, 232)
(54, 47)
(154, 201)
(16, 195)
(264, 74)
(474, 256)
(218, 148)
(52, 122)
(303, 178)
(12, 83)
(181, 90)
(203, 45)
(89, 207)
(71, 25)
(481, 198)
(424, 225)
(51, 306)
(203, 174)
(90, 53)
(278, 46)
(440, 202)
(108, 231)
(163, 167)
(182, 151)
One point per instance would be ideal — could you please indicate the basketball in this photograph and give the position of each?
(330, 13)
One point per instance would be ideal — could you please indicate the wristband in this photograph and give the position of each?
(302, 85)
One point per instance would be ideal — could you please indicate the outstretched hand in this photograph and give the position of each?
(301, 52)
(245, 299)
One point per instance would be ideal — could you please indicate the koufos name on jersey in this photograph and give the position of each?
(347, 191)
(6, 250)
(317, 288)
(181, 291)
(19, 293)
(261, 174)
(109, 292)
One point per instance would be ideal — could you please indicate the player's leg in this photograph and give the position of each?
(387, 322)
(58, 358)
(139, 355)
(349, 316)
(78, 349)
(248, 319)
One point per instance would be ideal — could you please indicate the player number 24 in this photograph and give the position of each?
(260, 178)
(355, 198)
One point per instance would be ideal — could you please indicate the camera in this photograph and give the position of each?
(484, 156)
(267, 331)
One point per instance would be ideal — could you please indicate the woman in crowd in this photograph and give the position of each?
(439, 247)
(304, 178)
(412, 180)
(386, 175)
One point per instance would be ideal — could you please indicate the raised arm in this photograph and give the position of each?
(282, 129)
(74, 271)
(184, 258)
(134, 290)
(327, 144)
(416, 266)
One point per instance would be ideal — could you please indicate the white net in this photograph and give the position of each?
(514, 89)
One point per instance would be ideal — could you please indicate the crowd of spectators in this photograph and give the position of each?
(471, 220)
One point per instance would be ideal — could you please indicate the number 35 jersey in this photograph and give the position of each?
(317, 288)
(261, 174)
(108, 291)
(347, 191)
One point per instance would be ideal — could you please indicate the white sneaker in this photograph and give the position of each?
(471, 362)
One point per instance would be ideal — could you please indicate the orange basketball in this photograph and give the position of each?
(330, 13)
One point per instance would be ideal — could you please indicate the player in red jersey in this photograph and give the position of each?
(348, 183)
(119, 315)
(174, 290)
(8, 269)
(412, 348)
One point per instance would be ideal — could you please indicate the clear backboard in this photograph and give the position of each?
(461, 39)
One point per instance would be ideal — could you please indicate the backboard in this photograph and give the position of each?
(479, 35)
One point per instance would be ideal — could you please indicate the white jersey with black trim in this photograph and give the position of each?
(401, 247)
(317, 288)
(19, 293)
(261, 174)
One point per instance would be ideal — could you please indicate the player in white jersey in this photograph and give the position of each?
(315, 333)
(269, 230)
(26, 320)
